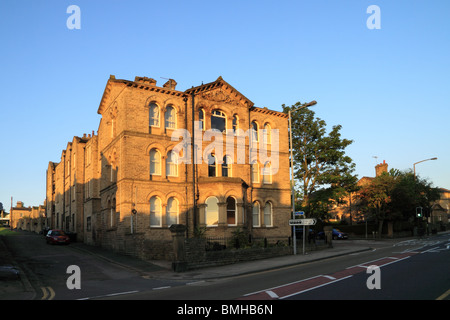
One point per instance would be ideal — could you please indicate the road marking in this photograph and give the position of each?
(272, 294)
(312, 288)
(329, 277)
(109, 295)
(195, 283)
(47, 292)
(444, 295)
(160, 288)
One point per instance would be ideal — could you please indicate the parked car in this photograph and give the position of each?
(336, 235)
(57, 237)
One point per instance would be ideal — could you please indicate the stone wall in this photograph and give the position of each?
(198, 257)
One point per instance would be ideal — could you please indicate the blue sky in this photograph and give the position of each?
(388, 87)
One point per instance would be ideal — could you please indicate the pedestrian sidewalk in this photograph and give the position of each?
(14, 284)
(162, 269)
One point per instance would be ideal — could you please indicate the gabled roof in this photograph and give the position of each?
(220, 83)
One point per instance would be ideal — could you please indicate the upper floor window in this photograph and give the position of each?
(172, 164)
(255, 171)
(153, 115)
(201, 119)
(235, 123)
(218, 120)
(211, 165)
(170, 118)
(267, 173)
(255, 128)
(267, 137)
(226, 166)
(155, 162)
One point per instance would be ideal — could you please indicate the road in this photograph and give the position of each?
(46, 267)
(405, 269)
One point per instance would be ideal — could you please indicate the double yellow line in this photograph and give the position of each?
(48, 293)
(444, 295)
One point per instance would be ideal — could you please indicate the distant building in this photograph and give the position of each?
(123, 187)
(28, 218)
(441, 208)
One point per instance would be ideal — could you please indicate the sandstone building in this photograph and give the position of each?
(205, 157)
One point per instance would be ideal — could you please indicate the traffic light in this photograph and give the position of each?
(419, 212)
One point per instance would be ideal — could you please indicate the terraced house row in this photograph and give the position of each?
(205, 157)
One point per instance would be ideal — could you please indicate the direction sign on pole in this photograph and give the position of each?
(299, 213)
(302, 222)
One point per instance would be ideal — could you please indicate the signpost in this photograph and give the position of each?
(301, 222)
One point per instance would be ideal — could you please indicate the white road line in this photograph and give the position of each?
(309, 289)
(272, 294)
(109, 295)
(329, 277)
(160, 288)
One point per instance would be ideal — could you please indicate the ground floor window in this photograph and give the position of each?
(212, 212)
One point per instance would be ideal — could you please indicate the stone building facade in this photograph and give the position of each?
(206, 158)
(27, 218)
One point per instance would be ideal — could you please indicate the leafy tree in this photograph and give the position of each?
(320, 162)
(395, 195)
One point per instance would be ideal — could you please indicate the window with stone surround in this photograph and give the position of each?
(255, 214)
(170, 118)
(155, 212)
(153, 115)
(155, 162)
(212, 212)
(268, 214)
(172, 211)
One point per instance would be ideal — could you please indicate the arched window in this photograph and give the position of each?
(255, 172)
(226, 167)
(170, 118)
(268, 214)
(155, 212)
(218, 120)
(255, 128)
(153, 115)
(267, 134)
(255, 214)
(155, 162)
(201, 119)
(267, 173)
(231, 211)
(211, 165)
(172, 211)
(235, 123)
(172, 164)
(212, 212)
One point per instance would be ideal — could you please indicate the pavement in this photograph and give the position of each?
(15, 285)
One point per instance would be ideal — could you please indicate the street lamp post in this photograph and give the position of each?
(309, 104)
(414, 165)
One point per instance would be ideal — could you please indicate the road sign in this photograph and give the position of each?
(302, 222)
(299, 213)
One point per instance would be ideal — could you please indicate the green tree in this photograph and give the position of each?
(320, 162)
(395, 195)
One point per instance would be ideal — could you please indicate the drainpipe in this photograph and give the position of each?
(185, 99)
(194, 217)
